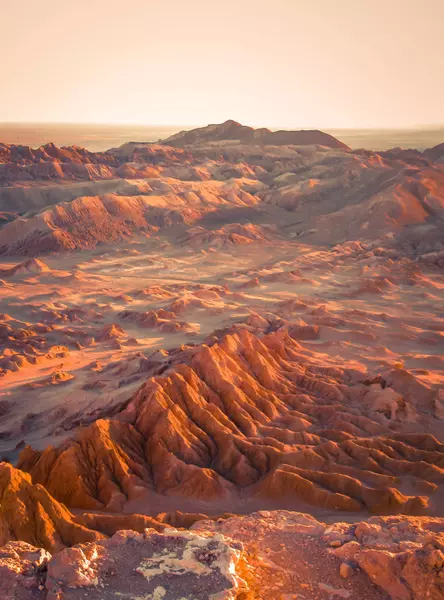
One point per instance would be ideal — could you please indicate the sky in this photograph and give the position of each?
(276, 63)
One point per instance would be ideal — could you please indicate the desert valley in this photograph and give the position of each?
(222, 369)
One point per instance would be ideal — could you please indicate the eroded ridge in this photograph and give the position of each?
(254, 417)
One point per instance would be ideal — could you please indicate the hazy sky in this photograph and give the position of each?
(289, 63)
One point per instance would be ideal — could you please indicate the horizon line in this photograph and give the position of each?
(187, 126)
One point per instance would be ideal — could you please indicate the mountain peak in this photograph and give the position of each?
(231, 122)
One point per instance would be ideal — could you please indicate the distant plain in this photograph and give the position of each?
(99, 137)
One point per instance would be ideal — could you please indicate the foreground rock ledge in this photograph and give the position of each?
(277, 555)
(174, 564)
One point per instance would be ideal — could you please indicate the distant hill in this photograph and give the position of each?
(435, 153)
(231, 130)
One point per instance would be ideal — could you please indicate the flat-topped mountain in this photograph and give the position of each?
(231, 130)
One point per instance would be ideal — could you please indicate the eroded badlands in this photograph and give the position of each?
(223, 323)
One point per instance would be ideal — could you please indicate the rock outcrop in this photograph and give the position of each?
(23, 571)
(28, 267)
(28, 513)
(173, 565)
(400, 558)
(262, 556)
